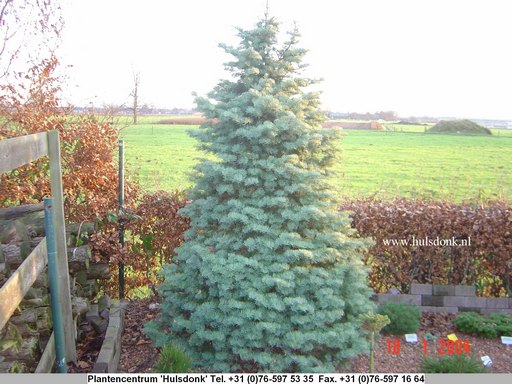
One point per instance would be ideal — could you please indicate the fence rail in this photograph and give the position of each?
(16, 152)
(14, 290)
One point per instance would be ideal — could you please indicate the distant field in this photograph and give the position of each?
(403, 162)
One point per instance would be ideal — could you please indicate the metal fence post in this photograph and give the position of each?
(53, 279)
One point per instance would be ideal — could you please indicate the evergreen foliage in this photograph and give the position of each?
(270, 276)
(493, 325)
(403, 318)
(172, 360)
(452, 364)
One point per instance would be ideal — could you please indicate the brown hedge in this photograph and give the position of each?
(486, 262)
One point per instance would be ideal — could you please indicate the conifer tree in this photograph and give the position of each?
(270, 275)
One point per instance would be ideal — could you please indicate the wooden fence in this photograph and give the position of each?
(14, 153)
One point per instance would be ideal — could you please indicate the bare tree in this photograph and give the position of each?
(135, 96)
(29, 33)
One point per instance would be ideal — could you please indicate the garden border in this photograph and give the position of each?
(447, 298)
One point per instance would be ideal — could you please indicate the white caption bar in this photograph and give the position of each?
(259, 378)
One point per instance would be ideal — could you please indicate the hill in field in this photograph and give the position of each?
(462, 127)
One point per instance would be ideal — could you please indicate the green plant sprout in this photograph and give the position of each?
(373, 323)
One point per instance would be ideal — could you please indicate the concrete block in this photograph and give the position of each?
(394, 291)
(123, 303)
(106, 356)
(92, 313)
(115, 312)
(443, 290)
(488, 311)
(100, 325)
(477, 302)
(432, 301)
(465, 301)
(470, 309)
(100, 367)
(439, 309)
(109, 342)
(115, 322)
(104, 303)
(465, 290)
(497, 302)
(405, 299)
(105, 314)
(421, 289)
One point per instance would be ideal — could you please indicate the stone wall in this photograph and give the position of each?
(448, 298)
(23, 340)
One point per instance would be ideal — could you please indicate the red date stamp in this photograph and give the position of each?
(443, 347)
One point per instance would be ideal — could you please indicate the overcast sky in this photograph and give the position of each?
(437, 58)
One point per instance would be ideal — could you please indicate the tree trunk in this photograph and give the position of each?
(13, 213)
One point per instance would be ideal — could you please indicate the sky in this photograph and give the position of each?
(418, 58)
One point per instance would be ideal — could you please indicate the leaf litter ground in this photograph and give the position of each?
(138, 354)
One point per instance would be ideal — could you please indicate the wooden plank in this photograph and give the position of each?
(15, 289)
(60, 236)
(21, 150)
(48, 358)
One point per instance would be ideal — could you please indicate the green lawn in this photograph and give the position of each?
(401, 163)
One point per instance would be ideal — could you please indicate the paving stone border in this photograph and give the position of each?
(110, 352)
(447, 298)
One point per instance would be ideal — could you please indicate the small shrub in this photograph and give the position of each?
(404, 318)
(468, 322)
(173, 360)
(502, 322)
(452, 364)
(497, 324)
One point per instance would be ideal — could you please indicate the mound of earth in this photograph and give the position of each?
(463, 127)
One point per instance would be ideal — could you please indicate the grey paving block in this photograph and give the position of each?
(103, 303)
(406, 299)
(497, 302)
(115, 322)
(124, 304)
(443, 290)
(470, 309)
(439, 309)
(465, 301)
(100, 367)
(394, 291)
(100, 325)
(465, 290)
(92, 313)
(487, 311)
(421, 289)
(432, 301)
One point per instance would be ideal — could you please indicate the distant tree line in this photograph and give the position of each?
(382, 115)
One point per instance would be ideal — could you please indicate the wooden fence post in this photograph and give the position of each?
(60, 234)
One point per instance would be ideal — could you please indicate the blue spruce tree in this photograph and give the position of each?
(270, 276)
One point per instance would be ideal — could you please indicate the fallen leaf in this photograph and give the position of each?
(83, 364)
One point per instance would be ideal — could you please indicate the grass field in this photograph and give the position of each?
(404, 162)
